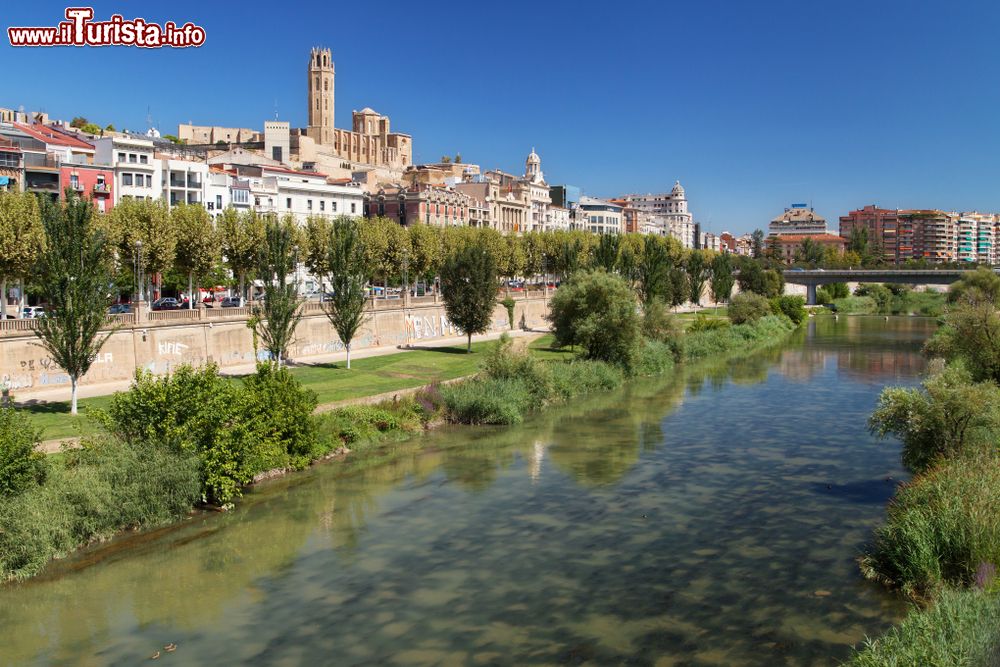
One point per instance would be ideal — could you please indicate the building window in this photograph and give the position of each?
(322, 205)
(126, 179)
(218, 201)
(353, 207)
(149, 181)
(131, 157)
(74, 181)
(143, 159)
(256, 200)
(121, 157)
(309, 204)
(333, 206)
(288, 203)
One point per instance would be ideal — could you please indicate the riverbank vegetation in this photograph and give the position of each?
(941, 541)
(598, 314)
(875, 299)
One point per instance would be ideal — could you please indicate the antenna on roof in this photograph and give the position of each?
(275, 108)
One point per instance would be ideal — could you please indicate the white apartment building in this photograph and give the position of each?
(300, 193)
(556, 218)
(669, 212)
(137, 171)
(183, 181)
(601, 217)
(976, 238)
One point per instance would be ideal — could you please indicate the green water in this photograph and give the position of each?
(712, 519)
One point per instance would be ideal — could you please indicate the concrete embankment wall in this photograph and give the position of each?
(159, 342)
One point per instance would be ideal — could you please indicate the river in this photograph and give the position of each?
(710, 519)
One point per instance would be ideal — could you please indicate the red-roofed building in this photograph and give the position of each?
(787, 246)
(11, 166)
(66, 147)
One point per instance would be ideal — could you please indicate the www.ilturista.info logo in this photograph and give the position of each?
(80, 30)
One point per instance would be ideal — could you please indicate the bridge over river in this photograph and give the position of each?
(812, 278)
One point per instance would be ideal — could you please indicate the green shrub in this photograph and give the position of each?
(508, 304)
(948, 416)
(488, 401)
(856, 305)
(21, 466)
(941, 528)
(880, 294)
(503, 363)
(368, 424)
(237, 431)
(704, 323)
(656, 358)
(764, 331)
(837, 290)
(962, 628)
(748, 307)
(91, 494)
(823, 297)
(597, 310)
(282, 410)
(792, 307)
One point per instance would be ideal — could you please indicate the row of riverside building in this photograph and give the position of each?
(932, 235)
(318, 170)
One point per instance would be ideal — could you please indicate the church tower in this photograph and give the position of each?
(321, 96)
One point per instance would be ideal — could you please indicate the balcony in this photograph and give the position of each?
(77, 186)
(101, 188)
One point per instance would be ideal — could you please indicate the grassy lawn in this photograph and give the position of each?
(331, 382)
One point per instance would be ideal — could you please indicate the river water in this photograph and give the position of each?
(710, 519)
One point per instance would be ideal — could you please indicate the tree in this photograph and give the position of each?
(445, 159)
(22, 240)
(425, 251)
(148, 222)
(110, 128)
(753, 278)
(347, 278)
(92, 128)
(858, 241)
(971, 335)
(699, 270)
(722, 277)
(74, 279)
(279, 314)
(810, 252)
(981, 285)
(606, 252)
(242, 238)
(654, 272)
(316, 246)
(78, 121)
(458, 158)
(197, 243)
(469, 286)
(949, 415)
(598, 311)
(757, 244)
(680, 287)
(748, 307)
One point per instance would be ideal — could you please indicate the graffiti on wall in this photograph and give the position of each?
(419, 327)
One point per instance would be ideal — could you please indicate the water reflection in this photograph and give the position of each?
(687, 521)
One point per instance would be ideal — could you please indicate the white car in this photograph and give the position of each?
(32, 312)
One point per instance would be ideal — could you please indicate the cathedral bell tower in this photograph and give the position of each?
(320, 96)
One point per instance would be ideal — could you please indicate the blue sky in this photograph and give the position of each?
(752, 105)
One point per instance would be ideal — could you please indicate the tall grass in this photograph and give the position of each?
(765, 331)
(941, 528)
(91, 494)
(962, 629)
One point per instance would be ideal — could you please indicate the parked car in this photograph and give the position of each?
(230, 302)
(32, 312)
(166, 303)
(120, 309)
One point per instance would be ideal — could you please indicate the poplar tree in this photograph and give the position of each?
(22, 240)
(279, 314)
(147, 221)
(197, 243)
(469, 286)
(242, 239)
(345, 257)
(75, 280)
